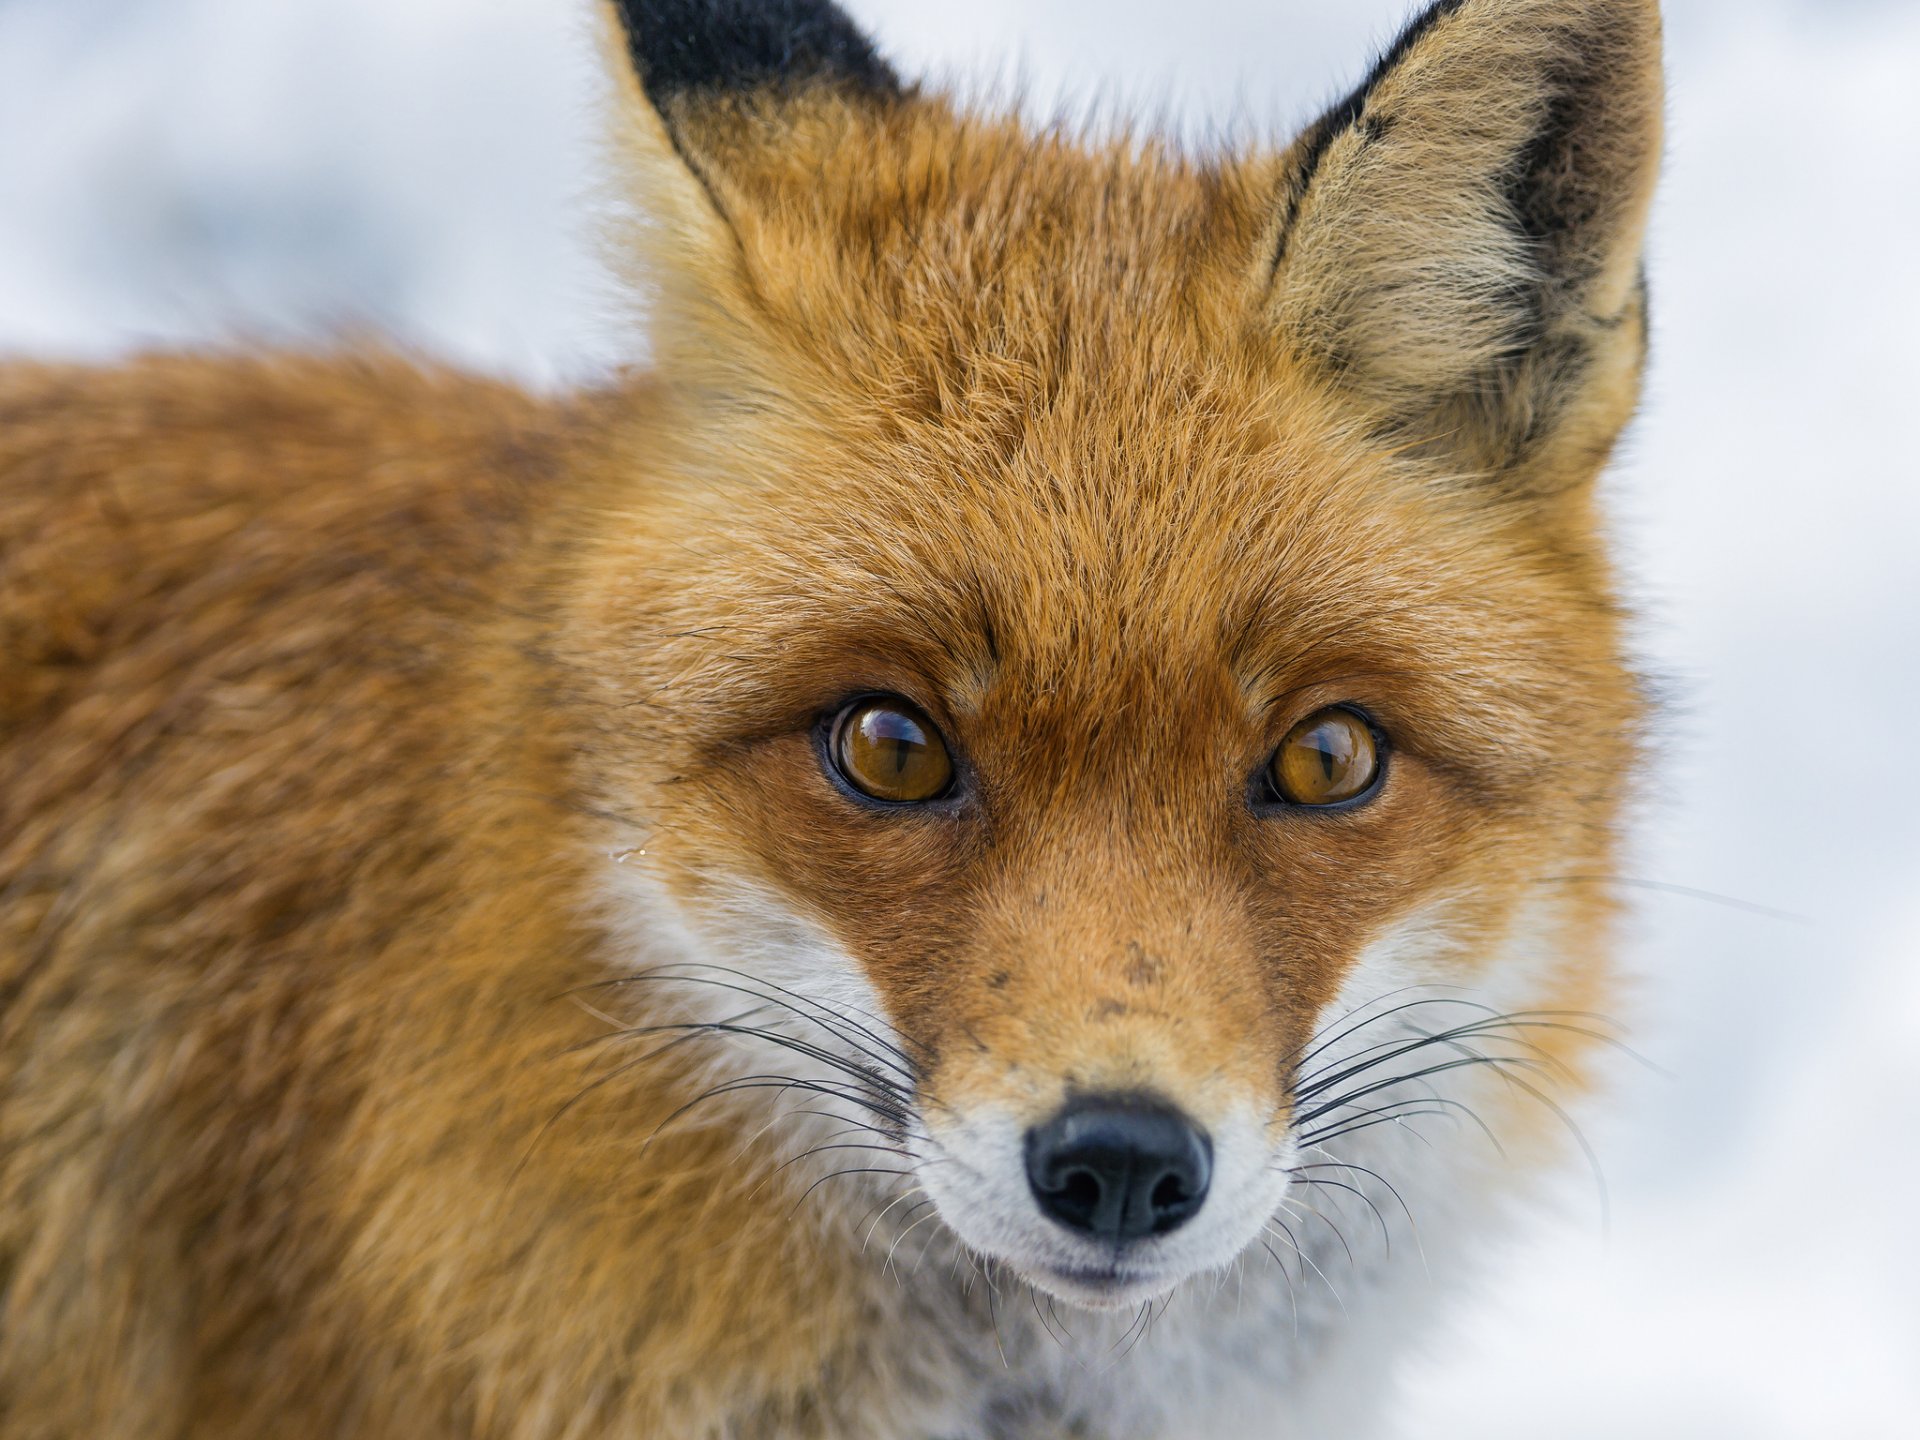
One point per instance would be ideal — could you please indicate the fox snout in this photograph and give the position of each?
(1108, 1117)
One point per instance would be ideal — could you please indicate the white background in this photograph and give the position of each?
(179, 169)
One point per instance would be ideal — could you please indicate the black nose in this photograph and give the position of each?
(1119, 1168)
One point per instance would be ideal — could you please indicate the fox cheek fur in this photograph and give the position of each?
(454, 977)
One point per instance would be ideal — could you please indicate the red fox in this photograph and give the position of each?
(1010, 842)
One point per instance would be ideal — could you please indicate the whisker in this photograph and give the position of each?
(1054, 1310)
(1504, 1067)
(1326, 1040)
(581, 1094)
(774, 1174)
(1494, 1025)
(1298, 1206)
(1414, 1106)
(994, 1317)
(1386, 1233)
(1033, 1298)
(820, 1014)
(1297, 1173)
(887, 1264)
(1580, 1139)
(1128, 1338)
(1374, 1087)
(1685, 892)
(905, 1195)
(838, 1174)
(926, 1246)
(1154, 1312)
(772, 1037)
(853, 1128)
(1293, 1300)
(1308, 1260)
(744, 1083)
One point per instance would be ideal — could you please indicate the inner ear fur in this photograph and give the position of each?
(1459, 240)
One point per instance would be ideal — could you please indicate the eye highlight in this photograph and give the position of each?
(887, 750)
(1331, 758)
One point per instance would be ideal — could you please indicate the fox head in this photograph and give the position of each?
(1079, 623)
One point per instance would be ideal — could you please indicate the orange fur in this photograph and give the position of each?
(335, 687)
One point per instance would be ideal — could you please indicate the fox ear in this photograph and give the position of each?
(688, 52)
(727, 106)
(1459, 239)
(734, 93)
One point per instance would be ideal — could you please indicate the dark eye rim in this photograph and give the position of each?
(826, 744)
(1266, 796)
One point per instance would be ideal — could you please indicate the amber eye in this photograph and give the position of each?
(1328, 759)
(887, 749)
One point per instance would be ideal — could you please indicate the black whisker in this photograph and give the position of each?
(1498, 1062)
(1054, 1311)
(1386, 1233)
(865, 1170)
(851, 1068)
(1297, 1171)
(1129, 1338)
(777, 1082)
(1495, 1024)
(1293, 1241)
(894, 1058)
(1394, 1117)
(1338, 1233)
(1033, 1298)
(1325, 1040)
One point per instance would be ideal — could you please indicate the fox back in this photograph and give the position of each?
(1012, 841)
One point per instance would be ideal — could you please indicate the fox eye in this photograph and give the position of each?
(1330, 758)
(888, 750)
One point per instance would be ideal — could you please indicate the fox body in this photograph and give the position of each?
(462, 972)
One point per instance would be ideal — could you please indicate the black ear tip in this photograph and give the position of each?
(718, 46)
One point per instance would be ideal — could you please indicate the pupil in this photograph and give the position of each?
(1327, 757)
(898, 743)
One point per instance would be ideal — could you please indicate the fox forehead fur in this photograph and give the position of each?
(446, 988)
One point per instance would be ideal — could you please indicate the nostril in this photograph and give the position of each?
(1119, 1168)
(1079, 1195)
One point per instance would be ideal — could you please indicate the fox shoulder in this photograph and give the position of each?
(241, 601)
(123, 491)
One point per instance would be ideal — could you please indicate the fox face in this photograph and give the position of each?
(1100, 624)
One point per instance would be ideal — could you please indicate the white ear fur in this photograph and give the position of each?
(677, 203)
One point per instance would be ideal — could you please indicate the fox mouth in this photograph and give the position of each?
(1103, 1287)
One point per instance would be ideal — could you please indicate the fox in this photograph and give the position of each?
(1012, 837)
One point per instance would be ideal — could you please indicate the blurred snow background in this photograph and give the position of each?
(173, 170)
